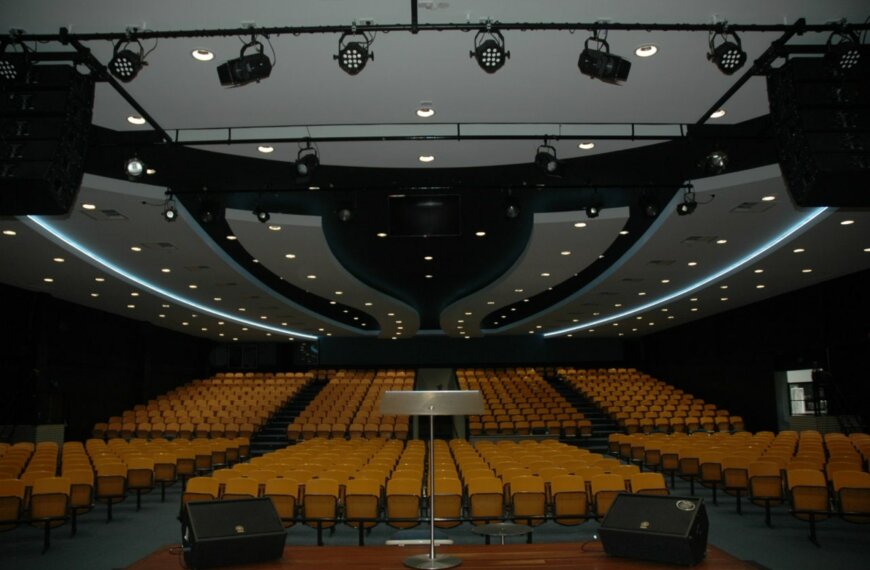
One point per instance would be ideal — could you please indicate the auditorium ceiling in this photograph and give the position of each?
(429, 225)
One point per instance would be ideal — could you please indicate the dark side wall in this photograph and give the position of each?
(730, 359)
(65, 363)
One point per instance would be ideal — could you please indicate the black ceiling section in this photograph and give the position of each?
(461, 264)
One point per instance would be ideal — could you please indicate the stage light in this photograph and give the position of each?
(845, 54)
(353, 55)
(262, 215)
(601, 64)
(592, 211)
(546, 161)
(126, 63)
(716, 162)
(170, 214)
(688, 205)
(344, 214)
(512, 210)
(649, 206)
(11, 64)
(134, 168)
(247, 68)
(307, 161)
(489, 50)
(728, 55)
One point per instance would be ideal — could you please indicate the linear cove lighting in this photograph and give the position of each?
(58, 234)
(812, 215)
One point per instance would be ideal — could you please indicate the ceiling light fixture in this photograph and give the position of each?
(718, 113)
(600, 63)
(546, 160)
(716, 162)
(688, 205)
(728, 55)
(134, 168)
(586, 145)
(425, 110)
(353, 54)
(592, 211)
(12, 64)
(646, 50)
(307, 160)
(845, 54)
(135, 119)
(170, 213)
(266, 148)
(126, 63)
(649, 206)
(261, 215)
(426, 158)
(489, 49)
(202, 54)
(247, 68)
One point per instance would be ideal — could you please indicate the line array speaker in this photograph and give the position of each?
(822, 126)
(45, 117)
(221, 533)
(658, 528)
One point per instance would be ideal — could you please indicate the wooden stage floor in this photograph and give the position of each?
(477, 557)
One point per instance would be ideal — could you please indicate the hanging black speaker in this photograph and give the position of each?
(221, 533)
(659, 528)
(821, 117)
(45, 117)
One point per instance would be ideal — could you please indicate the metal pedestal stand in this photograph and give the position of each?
(432, 403)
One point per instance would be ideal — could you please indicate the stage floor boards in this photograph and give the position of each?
(474, 557)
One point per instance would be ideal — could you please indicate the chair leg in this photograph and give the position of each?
(813, 538)
(319, 533)
(163, 491)
(767, 513)
(692, 485)
(715, 502)
(109, 511)
(138, 499)
(739, 508)
(46, 538)
(73, 525)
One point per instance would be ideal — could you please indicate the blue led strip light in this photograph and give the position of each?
(156, 289)
(699, 284)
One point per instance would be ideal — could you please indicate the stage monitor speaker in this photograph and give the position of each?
(220, 533)
(45, 118)
(657, 528)
(821, 121)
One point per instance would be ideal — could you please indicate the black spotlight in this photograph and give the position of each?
(134, 168)
(489, 50)
(353, 55)
(546, 161)
(601, 64)
(170, 214)
(649, 207)
(247, 68)
(11, 64)
(728, 55)
(592, 211)
(262, 215)
(307, 161)
(126, 63)
(688, 205)
(512, 210)
(716, 162)
(344, 214)
(844, 54)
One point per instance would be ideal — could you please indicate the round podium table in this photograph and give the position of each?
(502, 530)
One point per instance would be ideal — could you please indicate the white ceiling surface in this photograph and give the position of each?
(540, 83)
(541, 265)
(831, 250)
(303, 238)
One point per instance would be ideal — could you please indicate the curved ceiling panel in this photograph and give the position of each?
(561, 245)
(294, 248)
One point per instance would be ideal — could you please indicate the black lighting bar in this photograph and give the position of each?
(798, 27)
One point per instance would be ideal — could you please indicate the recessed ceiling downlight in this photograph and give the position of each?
(718, 113)
(426, 158)
(586, 145)
(425, 112)
(202, 54)
(266, 148)
(135, 120)
(646, 50)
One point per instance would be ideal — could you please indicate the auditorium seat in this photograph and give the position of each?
(284, 493)
(110, 485)
(49, 505)
(362, 500)
(11, 503)
(852, 494)
(808, 495)
(240, 488)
